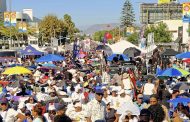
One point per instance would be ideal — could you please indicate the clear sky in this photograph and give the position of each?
(83, 12)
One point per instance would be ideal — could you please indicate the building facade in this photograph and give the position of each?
(3, 8)
(152, 12)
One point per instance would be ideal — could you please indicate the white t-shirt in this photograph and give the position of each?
(127, 83)
(148, 89)
(9, 115)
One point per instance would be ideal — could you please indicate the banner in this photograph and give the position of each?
(19, 24)
(13, 18)
(163, 1)
(186, 12)
(24, 27)
(7, 22)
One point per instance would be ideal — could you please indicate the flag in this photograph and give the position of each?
(108, 36)
(7, 20)
(75, 49)
(13, 18)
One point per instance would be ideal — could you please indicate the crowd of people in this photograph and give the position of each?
(77, 91)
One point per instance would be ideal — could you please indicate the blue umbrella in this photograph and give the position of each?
(170, 72)
(179, 100)
(110, 58)
(49, 65)
(183, 55)
(50, 57)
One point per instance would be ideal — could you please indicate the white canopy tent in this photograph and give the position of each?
(120, 46)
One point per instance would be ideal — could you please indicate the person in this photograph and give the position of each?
(106, 98)
(139, 102)
(60, 114)
(9, 114)
(156, 110)
(78, 114)
(51, 113)
(111, 115)
(147, 90)
(145, 116)
(127, 84)
(37, 113)
(139, 85)
(164, 95)
(96, 108)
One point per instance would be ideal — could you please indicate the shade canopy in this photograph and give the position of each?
(183, 55)
(132, 52)
(105, 48)
(29, 50)
(50, 57)
(121, 45)
(16, 71)
(119, 56)
(169, 52)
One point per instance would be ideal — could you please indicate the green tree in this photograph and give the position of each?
(127, 15)
(50, 26)
(69, 26)
(161, 33)
(133, 38)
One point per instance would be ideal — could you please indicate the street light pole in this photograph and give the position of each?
(10, 7)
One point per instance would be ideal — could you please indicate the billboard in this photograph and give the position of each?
(163, 1)
(7, 22)
(13, 18)
(186, 12)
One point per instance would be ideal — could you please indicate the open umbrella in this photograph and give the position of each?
(49, 65)
(132, 52)
(50, 57)
(180, 86)
(186, 60)
(171, 72)
(105, 48)
(183, 55)
(16, 70)
(183, 72)
(179, 100)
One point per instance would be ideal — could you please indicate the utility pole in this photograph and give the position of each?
(10, 7)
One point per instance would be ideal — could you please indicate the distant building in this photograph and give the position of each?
(3, 8)
(173, 27)
(152, 12)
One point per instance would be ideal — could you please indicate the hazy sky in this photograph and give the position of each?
(83, 12)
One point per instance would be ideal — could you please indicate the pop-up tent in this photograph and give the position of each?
(120, 47)
(29, 50)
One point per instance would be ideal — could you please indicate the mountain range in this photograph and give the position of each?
(98, 27)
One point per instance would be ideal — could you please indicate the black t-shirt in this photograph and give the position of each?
(62, 118)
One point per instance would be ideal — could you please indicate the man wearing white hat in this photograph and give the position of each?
(77, 95)
(22, 108)
(123, 97)
(78, 114)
